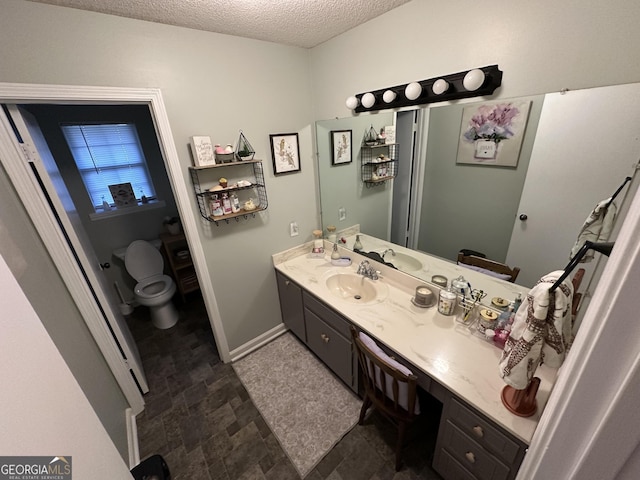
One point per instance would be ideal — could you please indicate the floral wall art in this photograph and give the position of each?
(492, 133)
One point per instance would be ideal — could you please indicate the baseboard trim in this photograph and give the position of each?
(132, 438)
(257, 342)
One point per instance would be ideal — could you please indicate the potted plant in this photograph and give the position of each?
(172, 224)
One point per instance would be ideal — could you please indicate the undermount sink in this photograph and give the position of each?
(404, 262)
(355, 288)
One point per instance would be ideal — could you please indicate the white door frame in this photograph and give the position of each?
(13, 160)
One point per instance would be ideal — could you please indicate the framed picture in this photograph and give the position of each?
(202, 151)
(122, 194)
(492, 133)
(341, 147)
(285, 152)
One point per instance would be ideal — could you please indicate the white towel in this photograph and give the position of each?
(541, 332)
(596, 228)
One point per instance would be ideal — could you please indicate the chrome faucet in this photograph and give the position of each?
(389, 250)
(367, 270)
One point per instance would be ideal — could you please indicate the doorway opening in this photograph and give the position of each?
(25, 169)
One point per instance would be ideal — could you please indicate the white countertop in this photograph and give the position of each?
(443, 348)
(432, 265)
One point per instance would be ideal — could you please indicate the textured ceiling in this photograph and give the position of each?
(303, 23)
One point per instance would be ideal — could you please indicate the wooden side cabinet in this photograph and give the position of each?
(178, 260)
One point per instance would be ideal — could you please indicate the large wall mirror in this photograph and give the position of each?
(577, 148)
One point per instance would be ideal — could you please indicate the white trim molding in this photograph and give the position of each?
(259, 341)
(132, 438)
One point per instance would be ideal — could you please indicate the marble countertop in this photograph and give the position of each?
(442, 347)
(432, 265)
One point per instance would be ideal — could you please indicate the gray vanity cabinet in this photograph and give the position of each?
(470, 447)
(329, 337)
(291, 306)
(325, 332)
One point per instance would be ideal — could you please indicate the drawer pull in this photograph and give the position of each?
(478, 431)
(471, 457)
(324, 337)
(287, 283)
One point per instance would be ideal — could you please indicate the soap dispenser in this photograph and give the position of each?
(335, 255)
(357, 245)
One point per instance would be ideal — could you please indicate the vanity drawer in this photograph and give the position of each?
(483, 432)
(331, 347)
(472, 456)
(330, 317)
(450, 468)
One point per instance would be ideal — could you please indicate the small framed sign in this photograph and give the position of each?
(341, 147)
(123, 196)
(202, 151)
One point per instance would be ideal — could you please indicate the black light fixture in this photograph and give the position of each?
(470, 83)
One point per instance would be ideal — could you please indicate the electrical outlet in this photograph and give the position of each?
(342, 214)
(293, 229)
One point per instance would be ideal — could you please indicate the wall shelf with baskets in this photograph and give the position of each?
(244, 179)
(379, 163)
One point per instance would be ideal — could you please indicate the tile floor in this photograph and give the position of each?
(199, 417)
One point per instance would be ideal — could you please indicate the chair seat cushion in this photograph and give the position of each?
(501, 276)
(403, 395)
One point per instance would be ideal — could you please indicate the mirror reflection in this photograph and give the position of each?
(573, 155)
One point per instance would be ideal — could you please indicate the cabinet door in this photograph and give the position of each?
(331, 347)
(291, 306)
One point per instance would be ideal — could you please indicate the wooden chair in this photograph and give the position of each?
(389, 390)
(490, 266)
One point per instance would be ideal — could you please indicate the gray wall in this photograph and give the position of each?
(469, 206)
(212, 85)
(38, 277)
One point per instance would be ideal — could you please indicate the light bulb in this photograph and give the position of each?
(351, 103)
(389, 96)
(440, 86)
(473, 80)
(368, 99)
(413, 91)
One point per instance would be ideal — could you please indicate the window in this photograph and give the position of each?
(109, 154)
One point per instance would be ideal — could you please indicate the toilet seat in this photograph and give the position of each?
(143, 260)
(153, 287)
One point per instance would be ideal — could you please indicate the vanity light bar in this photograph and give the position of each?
(470, 83)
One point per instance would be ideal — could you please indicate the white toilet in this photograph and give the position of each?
(154, 290)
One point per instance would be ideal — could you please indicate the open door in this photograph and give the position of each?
(45, 177)
(576, 171)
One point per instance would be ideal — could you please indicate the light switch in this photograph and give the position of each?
(342, 213)
(293, 229)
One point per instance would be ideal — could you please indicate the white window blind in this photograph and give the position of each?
(109, 154)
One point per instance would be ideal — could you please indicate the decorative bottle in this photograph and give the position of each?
(226, 204)
(235, 203)
(215, 206)
(332, 233)
(318, 244)
(105, 205)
